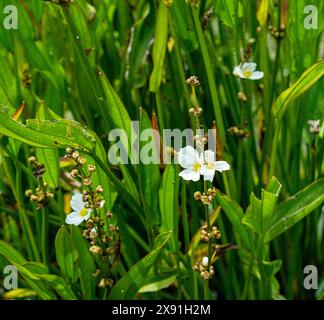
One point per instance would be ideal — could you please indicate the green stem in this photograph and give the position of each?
(209, 73)
(206, 283)
(274, 148)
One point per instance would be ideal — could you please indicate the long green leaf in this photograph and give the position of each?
(133, 280)
(307, 79)
(289, 212)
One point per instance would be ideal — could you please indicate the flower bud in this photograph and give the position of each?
(69, 150)
(31, 160)
(81, 160)
(91, 168)
(197, 195)
(205, 261)
(75, 155)
(100, 189)
(74, 173)
(95, 249)
(28, 193)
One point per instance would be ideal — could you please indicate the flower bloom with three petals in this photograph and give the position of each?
(247, 71)
(80, 213)
(211, 166)
(196, 164)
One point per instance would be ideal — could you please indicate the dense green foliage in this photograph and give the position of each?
(72, 72)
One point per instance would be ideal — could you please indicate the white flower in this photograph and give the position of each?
(210, 166)
(192, 162)
(205, 261)
(196, 165)
(247, 71)
(80, 213)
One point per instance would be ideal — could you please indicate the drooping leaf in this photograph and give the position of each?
(307, 79)
(296, 208)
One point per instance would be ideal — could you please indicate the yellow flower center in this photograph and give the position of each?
(210, 165)
(196, 166)
(83, 212)
(247, 73)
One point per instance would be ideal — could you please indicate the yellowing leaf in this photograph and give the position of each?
(262, 13)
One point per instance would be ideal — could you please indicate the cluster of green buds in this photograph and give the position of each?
(103, 236)
(26, 78)
(239, 132)
(207, 235)
(202, 267)
(206, 198)
(42, 195)
(276, 33)
(79, 170)
(100, 231)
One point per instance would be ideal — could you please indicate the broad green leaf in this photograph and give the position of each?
(66, 254)
(121, 121)
(10, 253)
(296, 208)
(149, 173)
(158, 283)
(16, 259)
(159, 47)
(86, 264)
(235, 214)
(59, 285)
(64, 133)
(168, 200)
(260, 212)
(183, 24)
(307, 79)
(226, 11)
(88, 72)
(30, 273)
(302, 39)
(49, 157)
(133, 280)
(47, 134)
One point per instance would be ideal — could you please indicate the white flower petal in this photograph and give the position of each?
(251, 66)
(238, 71)
(209, 156)
(256, 75)
(74, 218)
(187, 157)
(189, 174)
(207, 173)
(222, 166)
(102, 204)
(76, 202)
